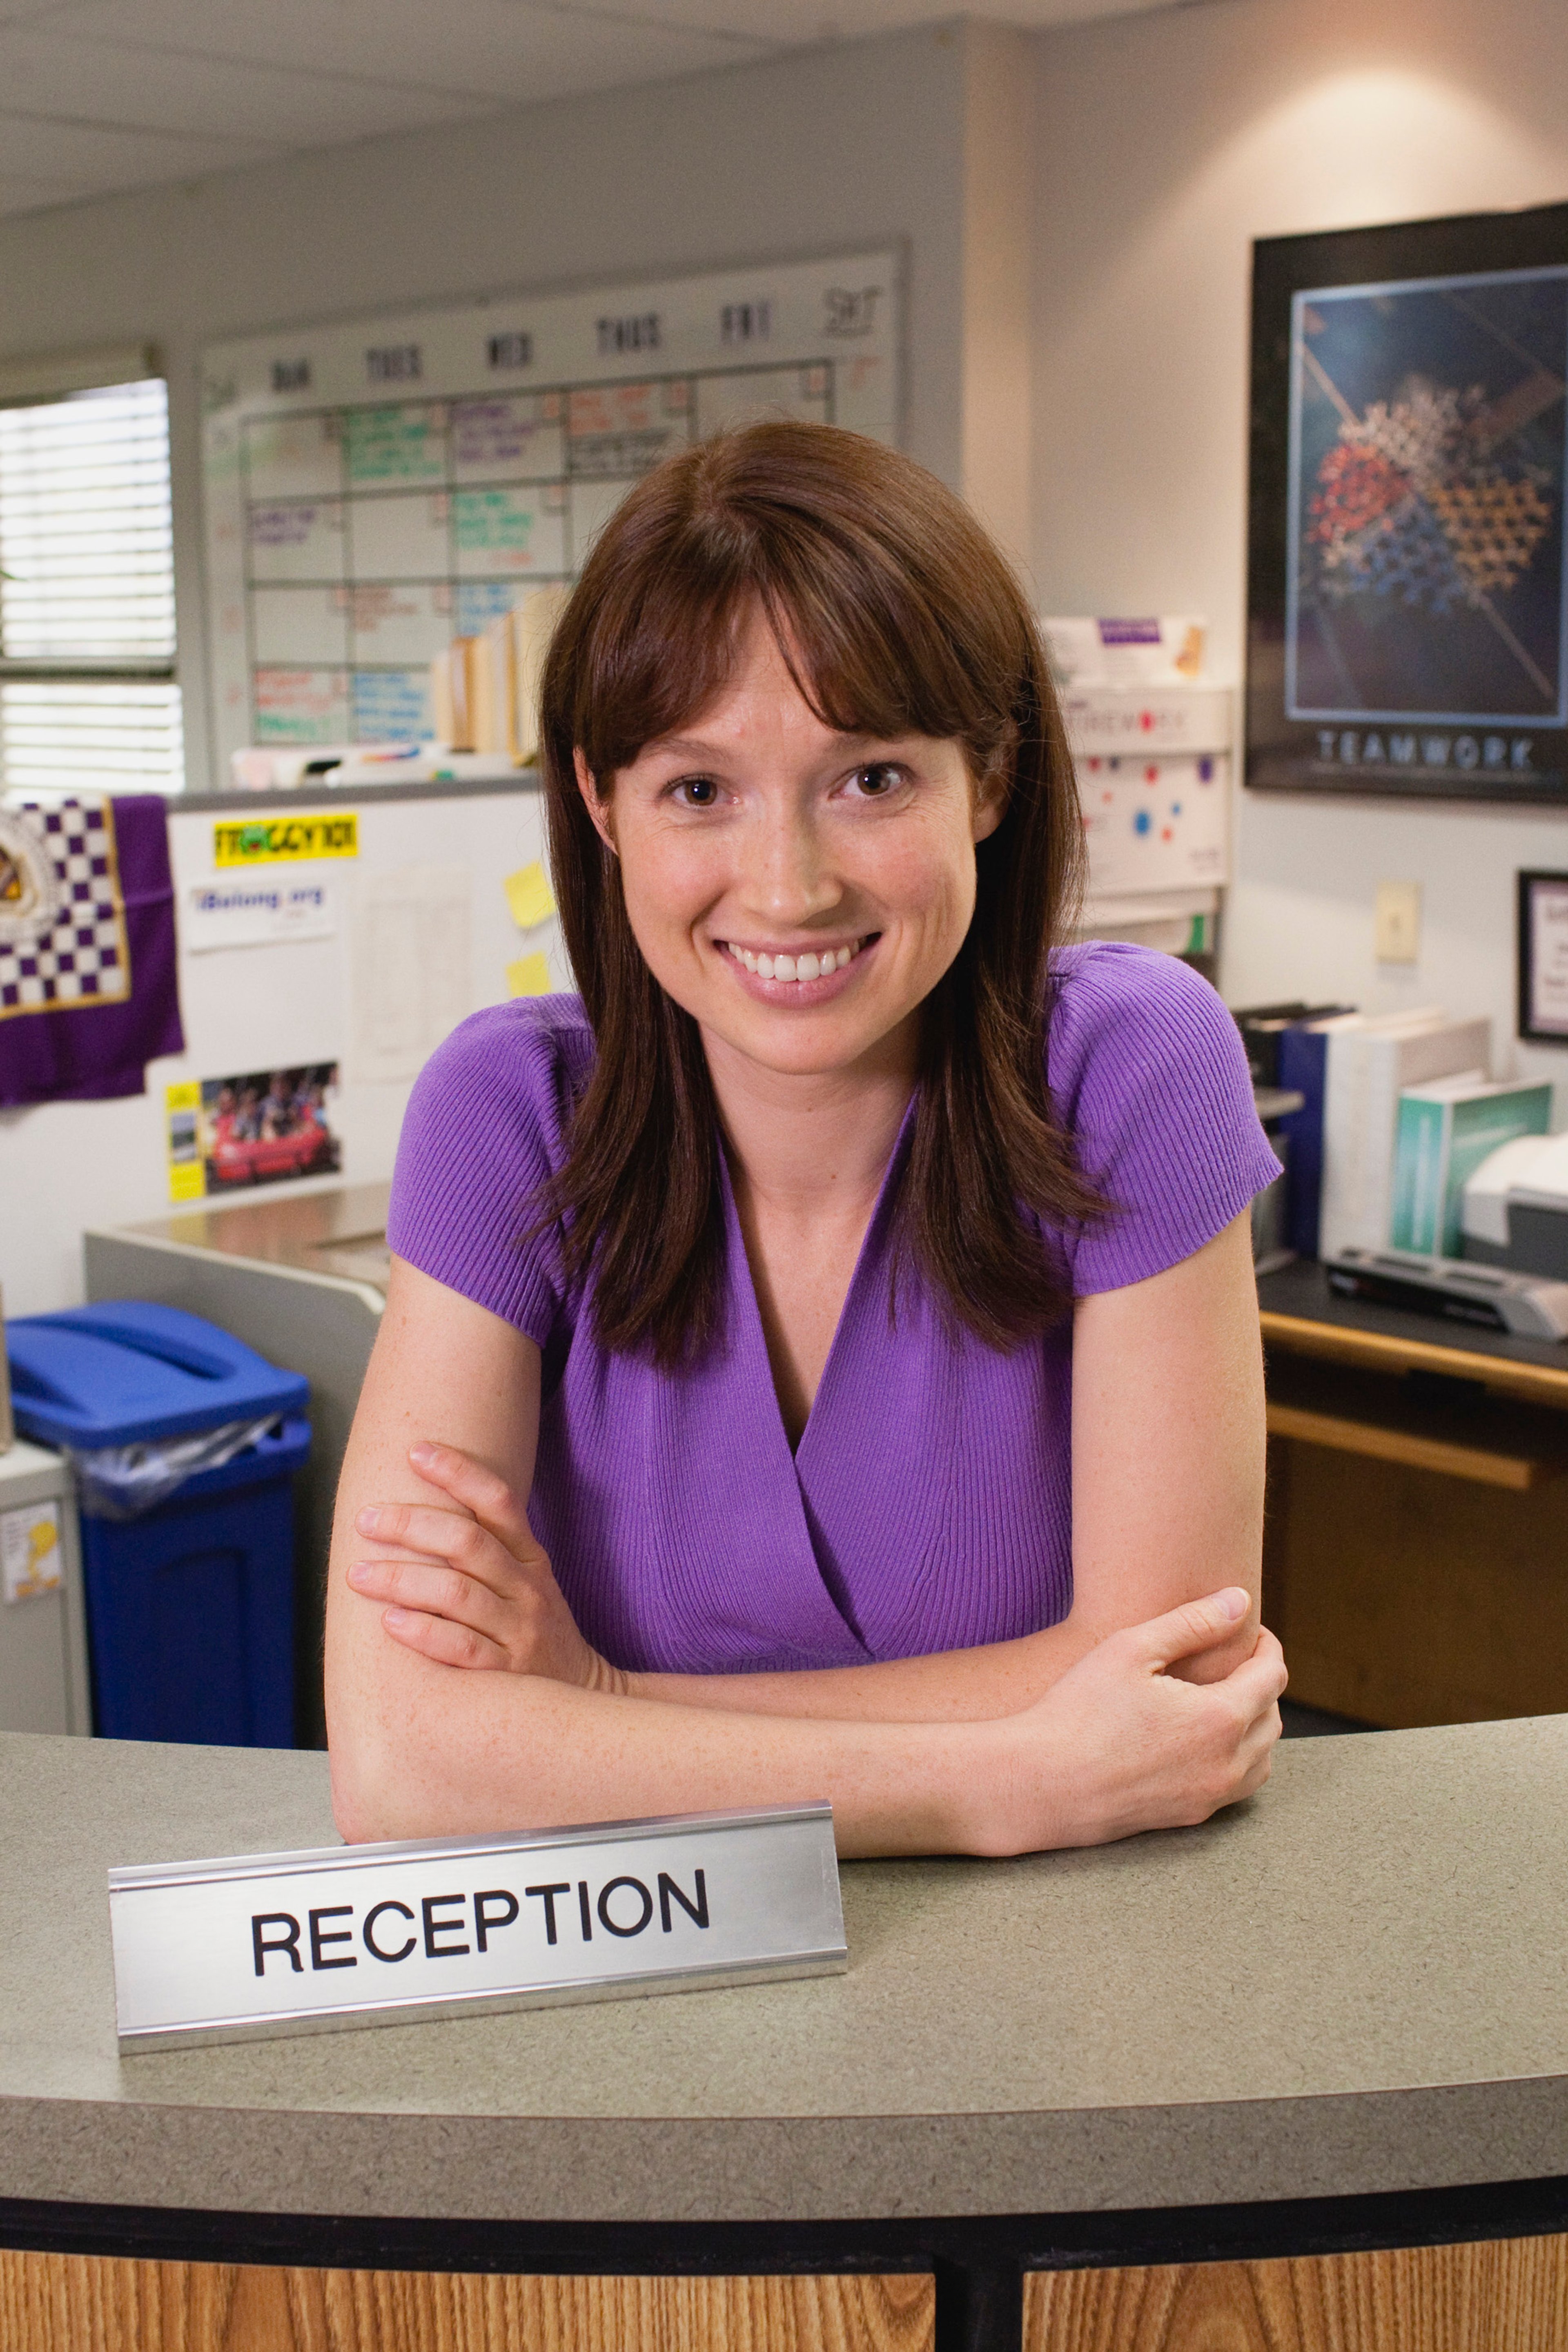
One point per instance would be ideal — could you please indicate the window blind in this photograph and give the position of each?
(88, 697)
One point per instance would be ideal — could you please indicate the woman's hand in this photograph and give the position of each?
(1120, 1743)
(471, 1587)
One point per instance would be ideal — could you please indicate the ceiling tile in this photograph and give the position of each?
(158, 89)
(496, 49)
(789, 23)
(93, 155)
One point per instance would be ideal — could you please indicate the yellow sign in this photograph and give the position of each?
(529, 897)
(529, 976)
(182, 1114)
(276, 840)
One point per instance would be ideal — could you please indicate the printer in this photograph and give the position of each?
(1515, 1207)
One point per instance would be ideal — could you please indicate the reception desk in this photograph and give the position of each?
(1295, 2079)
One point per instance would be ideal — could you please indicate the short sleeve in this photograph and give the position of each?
(1147, 1071)
(483, 1131)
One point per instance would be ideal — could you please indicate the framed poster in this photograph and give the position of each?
(1543, 958)
(375, 488)
(1407, 625)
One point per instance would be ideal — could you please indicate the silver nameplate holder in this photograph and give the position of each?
(263, 1945)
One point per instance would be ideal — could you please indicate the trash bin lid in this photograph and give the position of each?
(124, 1371)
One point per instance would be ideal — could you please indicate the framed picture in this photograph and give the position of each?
(1407, 624)
(1543, 958)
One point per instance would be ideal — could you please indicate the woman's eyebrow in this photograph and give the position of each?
(681, 746)
(692, 747)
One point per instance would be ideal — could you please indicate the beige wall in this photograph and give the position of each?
(1077, 208)
(1165, 143)
(995, 425)
(830, 150)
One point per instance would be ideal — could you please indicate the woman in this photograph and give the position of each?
(824, 1360)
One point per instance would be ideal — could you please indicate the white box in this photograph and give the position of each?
(43, 1636)
(1369, 1064)
(1145, 652)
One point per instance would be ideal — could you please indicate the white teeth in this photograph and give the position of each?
(806, 966)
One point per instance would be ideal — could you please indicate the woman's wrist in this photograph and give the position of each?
(1012, 1788)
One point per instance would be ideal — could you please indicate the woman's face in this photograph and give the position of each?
(799, 892)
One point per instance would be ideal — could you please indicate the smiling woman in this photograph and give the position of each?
(822, 1359)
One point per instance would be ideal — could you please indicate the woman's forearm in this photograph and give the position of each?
(437, 1752)
(953, 1686)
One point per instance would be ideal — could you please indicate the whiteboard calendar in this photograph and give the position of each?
(374, 489)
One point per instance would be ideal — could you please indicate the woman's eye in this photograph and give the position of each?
(696, 792)
(875, 782)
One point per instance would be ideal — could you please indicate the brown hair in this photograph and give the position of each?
(898, 615)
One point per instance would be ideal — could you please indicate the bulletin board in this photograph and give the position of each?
(376, 488)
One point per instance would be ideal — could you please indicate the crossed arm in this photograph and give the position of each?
(460, 1696)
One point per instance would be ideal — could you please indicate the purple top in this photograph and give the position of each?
(929, 1505)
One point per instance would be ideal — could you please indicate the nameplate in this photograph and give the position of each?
(268, 1944)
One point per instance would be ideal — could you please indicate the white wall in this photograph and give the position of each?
(70, 1165)
(834, 149)
(830, 150)
(1166, 143)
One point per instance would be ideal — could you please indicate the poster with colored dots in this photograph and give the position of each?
(1408, 620)
(1154, 825)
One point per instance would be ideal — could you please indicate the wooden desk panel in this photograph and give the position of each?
(1508, 2295)
(1416, 1547)
(1385, 1439)
(88, 2303)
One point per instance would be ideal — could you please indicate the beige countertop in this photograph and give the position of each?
(1357, 1982)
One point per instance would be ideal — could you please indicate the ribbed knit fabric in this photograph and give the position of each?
(928, 1505)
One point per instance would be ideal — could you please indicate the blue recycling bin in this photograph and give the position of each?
(190, 1602)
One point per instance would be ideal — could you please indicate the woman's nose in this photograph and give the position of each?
(791, 875)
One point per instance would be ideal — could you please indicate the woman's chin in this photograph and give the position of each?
(798, 1044)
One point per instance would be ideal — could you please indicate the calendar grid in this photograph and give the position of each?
(375, 490)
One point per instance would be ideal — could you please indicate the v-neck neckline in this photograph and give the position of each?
(744, 1287)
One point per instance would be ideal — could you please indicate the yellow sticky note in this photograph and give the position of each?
(530, 900)
(529, 976)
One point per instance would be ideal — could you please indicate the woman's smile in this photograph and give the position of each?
(799, 976)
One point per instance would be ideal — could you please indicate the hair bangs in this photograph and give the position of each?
(863, 619)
